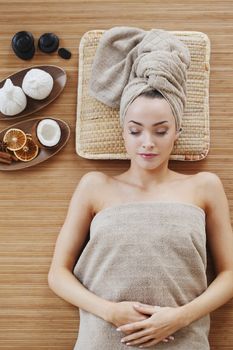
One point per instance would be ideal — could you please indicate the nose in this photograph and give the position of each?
(148, 142)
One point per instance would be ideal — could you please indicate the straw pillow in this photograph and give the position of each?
(98, 131)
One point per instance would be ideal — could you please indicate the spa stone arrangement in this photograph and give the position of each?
(32, 141)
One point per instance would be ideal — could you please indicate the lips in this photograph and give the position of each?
(148, 155)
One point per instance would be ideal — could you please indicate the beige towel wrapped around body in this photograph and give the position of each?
(150, 252)
(129, 61)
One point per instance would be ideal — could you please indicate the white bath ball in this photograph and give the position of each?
(12, 99)
(37, 83)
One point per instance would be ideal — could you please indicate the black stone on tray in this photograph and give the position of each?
(23, 45)
(48, 42)
(64, 53)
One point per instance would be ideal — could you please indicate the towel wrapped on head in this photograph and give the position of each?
(129, 61)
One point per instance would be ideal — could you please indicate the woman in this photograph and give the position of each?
(166, 309)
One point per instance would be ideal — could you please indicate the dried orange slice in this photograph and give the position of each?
(15, 139)
(29, 151)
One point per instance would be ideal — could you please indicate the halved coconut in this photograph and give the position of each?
(46, 133)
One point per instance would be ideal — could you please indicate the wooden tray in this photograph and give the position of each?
(59, 81)
(44, 153)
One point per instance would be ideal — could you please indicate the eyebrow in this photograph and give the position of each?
(164, 121)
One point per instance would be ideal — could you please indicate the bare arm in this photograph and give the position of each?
(220, 238)
(68, 246)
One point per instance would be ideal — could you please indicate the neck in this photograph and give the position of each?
(145, 178)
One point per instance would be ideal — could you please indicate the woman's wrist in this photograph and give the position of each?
(108, 310)
(184, 316)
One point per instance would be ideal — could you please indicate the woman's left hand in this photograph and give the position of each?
(164, 321)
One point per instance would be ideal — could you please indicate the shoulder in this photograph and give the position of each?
(212, 189)
(93, 178)
(201, 180)
(209, 179)
(90, 186)
(91, 182)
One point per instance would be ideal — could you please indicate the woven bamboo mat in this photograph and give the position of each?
(98, 131)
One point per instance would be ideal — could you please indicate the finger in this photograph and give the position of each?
(149, 343)
(132, 327)
(165, 340)
(152, 342)
(147, 306)
(142, 304)
(139, 341)
(146, 309)
(136, 335)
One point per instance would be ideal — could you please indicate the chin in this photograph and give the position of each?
(148, 164)
(151, 164)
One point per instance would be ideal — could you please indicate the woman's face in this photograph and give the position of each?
(149, 127)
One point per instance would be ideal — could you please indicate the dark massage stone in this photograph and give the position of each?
(48, 42)
(64, 53)
(23, 45)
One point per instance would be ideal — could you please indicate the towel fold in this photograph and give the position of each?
(129, 61)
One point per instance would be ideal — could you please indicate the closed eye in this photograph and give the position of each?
(138, 132)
